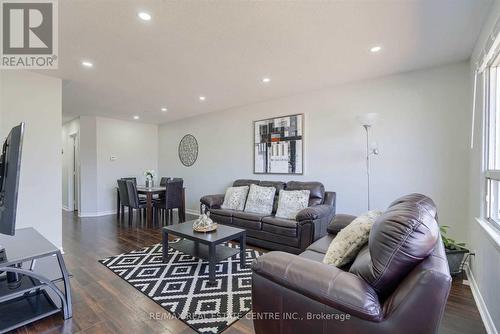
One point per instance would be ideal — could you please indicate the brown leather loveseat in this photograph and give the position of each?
(270, 232)
(399, 282)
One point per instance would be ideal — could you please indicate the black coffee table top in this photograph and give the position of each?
(221, 234)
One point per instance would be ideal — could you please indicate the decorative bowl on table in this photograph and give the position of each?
(204, 223)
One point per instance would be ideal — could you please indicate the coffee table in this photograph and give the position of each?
(205, 245)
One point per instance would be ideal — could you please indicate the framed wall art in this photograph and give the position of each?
(279, 145)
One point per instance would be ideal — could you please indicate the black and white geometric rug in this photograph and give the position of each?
(180, 286)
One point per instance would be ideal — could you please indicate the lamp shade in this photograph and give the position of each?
(367, 119)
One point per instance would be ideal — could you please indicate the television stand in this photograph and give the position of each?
(34, 296)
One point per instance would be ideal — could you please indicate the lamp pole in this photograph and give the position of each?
(367, 120)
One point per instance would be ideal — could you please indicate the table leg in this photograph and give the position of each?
(149, 209)
(211, 264)
(182, 212)
(243, 239)
(68, 312)
(164, 244)
(117, 203)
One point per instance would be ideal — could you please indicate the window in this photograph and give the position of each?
(492, 145)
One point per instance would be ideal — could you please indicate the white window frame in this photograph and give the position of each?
(492, 79)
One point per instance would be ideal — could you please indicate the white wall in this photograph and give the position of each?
(486, 246)
(88, 166)
(36, 100)
(422, 135)
(135, 147)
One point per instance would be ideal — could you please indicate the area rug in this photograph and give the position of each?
(180, 286)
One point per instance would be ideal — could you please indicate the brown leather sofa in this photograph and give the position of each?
(273, 233)
(398, 283)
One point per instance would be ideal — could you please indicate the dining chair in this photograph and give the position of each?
(163, 181)
(133, 179)
(134, 201)
(174, 199)
(124, 202)
(130, 199)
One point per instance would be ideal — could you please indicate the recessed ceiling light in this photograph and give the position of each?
(87, 63)
(266, 80)
(163, 109)
(136, 117)
(375, 49)
(202, 98)
(144, 16)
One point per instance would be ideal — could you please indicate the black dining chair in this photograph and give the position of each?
(123, 193)
(133, 179)
(134, 201)
(174, 199)
(163, 181)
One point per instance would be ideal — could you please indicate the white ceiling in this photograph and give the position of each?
(223, 49)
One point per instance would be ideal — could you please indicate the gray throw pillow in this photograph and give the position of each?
(348, 242)
(291, 202)
(260, 199)
(235, 198)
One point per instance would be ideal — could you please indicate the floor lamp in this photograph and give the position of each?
(367, 121)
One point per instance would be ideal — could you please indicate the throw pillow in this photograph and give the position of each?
(260, 199)
(291, 202)
(235, 198)
(347, 243)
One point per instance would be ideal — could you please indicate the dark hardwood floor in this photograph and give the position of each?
(104, 303)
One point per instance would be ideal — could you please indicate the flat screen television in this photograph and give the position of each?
(10, 167)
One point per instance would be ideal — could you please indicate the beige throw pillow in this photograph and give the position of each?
(347, 243)
(291, 202)
(235, 198)
(260, 200)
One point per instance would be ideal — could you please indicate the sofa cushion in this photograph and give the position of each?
(280, 226)
(362, 260)
(273, 238)
(321, 245)
(249, 215)
(235, 198)
(246, 224)
(291, 202)
(399, 240)
(312, 255)
(260, 199)
(223, 212)
(339, 222)
(347, 243)
(276, 184)
(228, 220)
(244, 182)
(316, 189)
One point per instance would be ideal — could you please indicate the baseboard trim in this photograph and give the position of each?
(113, 212)
(481, 305)
(97, 214)
(192, 212)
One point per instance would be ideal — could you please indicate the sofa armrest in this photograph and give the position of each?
(339, 222)
(324, 283)
(314, 212)
(213, 201)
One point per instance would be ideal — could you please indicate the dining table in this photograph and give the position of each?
(150, 192)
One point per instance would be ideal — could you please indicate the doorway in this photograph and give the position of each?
(73, 175)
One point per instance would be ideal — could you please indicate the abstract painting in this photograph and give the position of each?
(278, 145)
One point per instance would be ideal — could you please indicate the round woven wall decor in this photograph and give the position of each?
(188, 150)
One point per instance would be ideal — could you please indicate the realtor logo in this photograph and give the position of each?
(29, 34)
